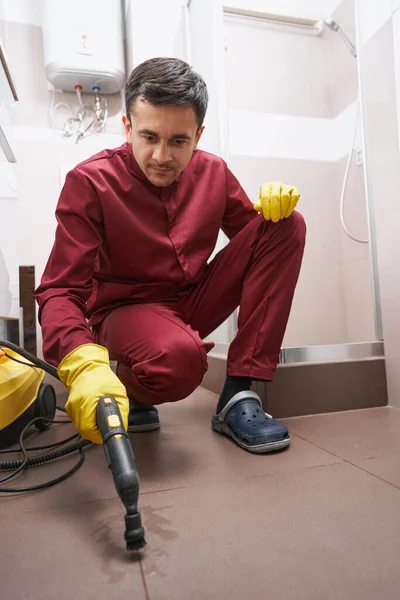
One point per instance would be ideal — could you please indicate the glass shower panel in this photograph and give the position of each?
(292, 102)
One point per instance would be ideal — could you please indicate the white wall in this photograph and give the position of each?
(291, 136)
(379, 59)
(206, 23)
(372, 16)
(9, 265)
(42, 155)
(22, 11)
(9, 293)
(156, 28)
(396, 46)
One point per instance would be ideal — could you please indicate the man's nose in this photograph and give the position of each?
(162, 153)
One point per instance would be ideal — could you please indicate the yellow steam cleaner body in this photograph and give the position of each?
(23, 397)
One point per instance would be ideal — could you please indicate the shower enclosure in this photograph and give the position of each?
(292, 88)
(294, 113)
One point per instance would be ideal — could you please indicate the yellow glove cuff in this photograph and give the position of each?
(76, 361)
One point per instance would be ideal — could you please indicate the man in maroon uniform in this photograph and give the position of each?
(128, 277)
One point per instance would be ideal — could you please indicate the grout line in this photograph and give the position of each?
(245, 477)
(68, 504)
(83, 502)
(348, 462)
(380, 456)
(211, 483)
(337, 412)
(171, 489)
(320, 447)
(146, 589)
(341, 457)
(341, 460)
(181, 487)
(376, 476)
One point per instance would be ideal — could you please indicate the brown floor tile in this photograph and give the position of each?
(298, 536)
(93, 481)
(174, 457)
(352, 435)
(177, 456)
(194, 454)
(384, 467)
(197, 408)
(220, 522)
(70, 552)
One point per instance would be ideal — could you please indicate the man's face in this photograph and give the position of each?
(163, 139)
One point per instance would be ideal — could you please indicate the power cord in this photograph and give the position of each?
(17, 466)
(55, 445)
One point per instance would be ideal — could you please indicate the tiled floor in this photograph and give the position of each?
(319, 521)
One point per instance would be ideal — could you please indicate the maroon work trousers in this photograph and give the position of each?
(159, 346)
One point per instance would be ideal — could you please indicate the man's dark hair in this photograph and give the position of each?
(163, 81)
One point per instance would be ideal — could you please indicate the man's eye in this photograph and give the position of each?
(149, 138)
(180, 142)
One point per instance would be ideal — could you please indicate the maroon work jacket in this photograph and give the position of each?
(120, 239)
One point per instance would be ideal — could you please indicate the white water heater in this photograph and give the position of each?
(84, 44)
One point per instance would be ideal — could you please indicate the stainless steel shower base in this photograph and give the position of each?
(332, 353)
(319, 354)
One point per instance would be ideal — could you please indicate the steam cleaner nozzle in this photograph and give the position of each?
(121, 461)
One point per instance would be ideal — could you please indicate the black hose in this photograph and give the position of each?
(37, 362)
(46, 484)
(34, 461)
(34, 362)
(54, 445)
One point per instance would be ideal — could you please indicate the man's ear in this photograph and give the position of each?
(198, 136)
(128, 128)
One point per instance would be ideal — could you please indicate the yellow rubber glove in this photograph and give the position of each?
(87, 374)
(277, 201)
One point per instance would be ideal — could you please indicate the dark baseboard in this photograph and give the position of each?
(313, 388)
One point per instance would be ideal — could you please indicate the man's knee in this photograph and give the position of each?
(185, 364)
(297, 225)
(292, 230)
(173, 373)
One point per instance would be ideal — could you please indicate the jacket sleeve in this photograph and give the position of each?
(67, 279)
(239, 209)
